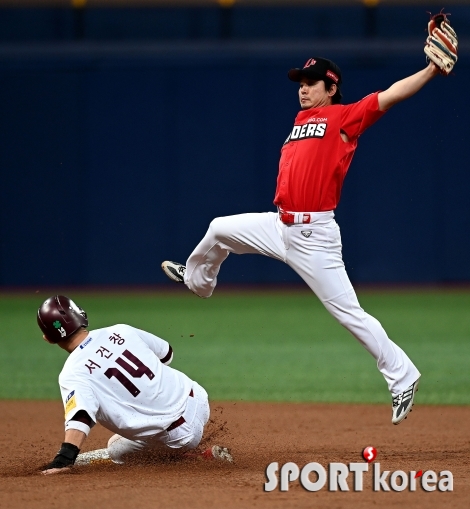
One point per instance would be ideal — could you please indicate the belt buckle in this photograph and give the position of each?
(306, 218)
(286, 217)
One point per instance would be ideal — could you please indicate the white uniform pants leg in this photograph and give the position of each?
(316, 256)
(241, 234)
(183, 438)
(318, 260)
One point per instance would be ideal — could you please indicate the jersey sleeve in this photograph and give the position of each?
(159, 346)
(77, 396)
(357, 117)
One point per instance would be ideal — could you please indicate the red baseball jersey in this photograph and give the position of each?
(315, 159)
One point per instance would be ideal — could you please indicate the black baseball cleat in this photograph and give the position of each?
(175, 271)
(402, 404)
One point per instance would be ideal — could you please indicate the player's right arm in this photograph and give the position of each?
(67, 454)
(80, 407)
(406, 87)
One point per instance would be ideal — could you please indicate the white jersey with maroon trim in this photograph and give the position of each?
(117, 376)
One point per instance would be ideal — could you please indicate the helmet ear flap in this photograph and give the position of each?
(43, 326)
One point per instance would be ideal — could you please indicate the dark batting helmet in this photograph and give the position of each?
(59, 317)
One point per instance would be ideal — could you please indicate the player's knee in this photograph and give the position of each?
(113, 439)
(216, 227)
(117, 448)
(204, 293)
(343, 317)
(120, 448)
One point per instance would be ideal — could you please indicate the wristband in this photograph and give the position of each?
(65, 457)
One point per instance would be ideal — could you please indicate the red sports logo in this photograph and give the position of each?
(310, 61)
(369, 453)
(332, 75)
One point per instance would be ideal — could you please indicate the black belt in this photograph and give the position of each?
(181, 420)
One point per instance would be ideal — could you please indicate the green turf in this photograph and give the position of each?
(278, 346)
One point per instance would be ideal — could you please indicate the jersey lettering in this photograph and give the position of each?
(141, 370)
(301, 132)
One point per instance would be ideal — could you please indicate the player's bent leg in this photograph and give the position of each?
(318, 260)
(119, 448)
(239, 234)
(196, 415)
(185, 437)
(196, 426)
(396, 367)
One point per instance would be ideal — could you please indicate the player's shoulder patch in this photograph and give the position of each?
(70, 402)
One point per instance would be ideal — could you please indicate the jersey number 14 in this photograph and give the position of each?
(138, 372)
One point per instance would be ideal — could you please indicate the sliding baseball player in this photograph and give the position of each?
(119, 376)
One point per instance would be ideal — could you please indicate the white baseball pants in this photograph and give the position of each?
(184, 437)
(316, 256)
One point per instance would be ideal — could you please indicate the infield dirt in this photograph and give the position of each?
(432, 438)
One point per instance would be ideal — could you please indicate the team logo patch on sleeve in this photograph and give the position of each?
(70, 402)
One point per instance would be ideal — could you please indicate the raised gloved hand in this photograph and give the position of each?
(441, 43)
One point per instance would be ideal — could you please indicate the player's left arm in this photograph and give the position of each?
(406, 87)
(161, 348)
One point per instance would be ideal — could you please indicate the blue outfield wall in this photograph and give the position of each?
(47, 24)
(115, 157)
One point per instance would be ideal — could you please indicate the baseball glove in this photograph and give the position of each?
(441, 43)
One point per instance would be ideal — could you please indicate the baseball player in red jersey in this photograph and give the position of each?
(303, 233)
